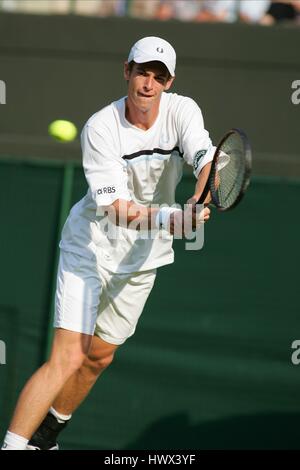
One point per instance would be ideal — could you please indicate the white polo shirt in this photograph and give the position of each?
(121, 161)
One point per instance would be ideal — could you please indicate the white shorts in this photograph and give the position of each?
(91, 300)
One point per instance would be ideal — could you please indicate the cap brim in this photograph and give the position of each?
(141, 60)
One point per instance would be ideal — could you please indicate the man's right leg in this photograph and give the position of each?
(76, 305)
(68, 353)
(122, 302)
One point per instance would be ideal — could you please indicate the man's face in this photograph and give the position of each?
(146, 82)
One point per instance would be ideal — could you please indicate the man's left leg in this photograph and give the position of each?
(79, 385)
(73, 393)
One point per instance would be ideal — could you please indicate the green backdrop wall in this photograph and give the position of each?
(210, 364)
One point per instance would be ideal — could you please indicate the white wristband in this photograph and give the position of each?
(163, 217)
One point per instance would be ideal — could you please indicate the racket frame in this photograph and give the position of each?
(210, 185)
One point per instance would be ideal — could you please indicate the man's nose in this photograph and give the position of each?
(148, 83)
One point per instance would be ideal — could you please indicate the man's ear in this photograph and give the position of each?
(126, 71)
(169, 83)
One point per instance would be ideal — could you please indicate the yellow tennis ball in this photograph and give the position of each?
(64, 131)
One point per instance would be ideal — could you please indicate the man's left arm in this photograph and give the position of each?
(198, 150)
(200, 185)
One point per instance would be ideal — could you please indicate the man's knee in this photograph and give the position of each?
(98, 363)
(69, 351)
(68, 361)
(99, 357)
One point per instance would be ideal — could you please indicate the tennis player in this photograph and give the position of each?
(133, 154)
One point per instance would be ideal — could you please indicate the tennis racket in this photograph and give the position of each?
(230, 172)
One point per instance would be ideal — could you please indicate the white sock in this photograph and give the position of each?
(59, 416)
(13, 441)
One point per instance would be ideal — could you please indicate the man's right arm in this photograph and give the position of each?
(137, 217)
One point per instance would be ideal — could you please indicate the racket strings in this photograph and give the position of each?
(229, 179)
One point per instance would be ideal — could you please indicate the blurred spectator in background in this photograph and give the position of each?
(282, 11)
(81, 7)
(100, 7)
(265, 12)
(250, 11)
(185, 10)
(36, 6)
(218, 10)
(143, 9)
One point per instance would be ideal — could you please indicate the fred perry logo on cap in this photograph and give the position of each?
(160, 49)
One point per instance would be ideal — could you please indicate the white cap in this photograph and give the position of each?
(154, 49)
